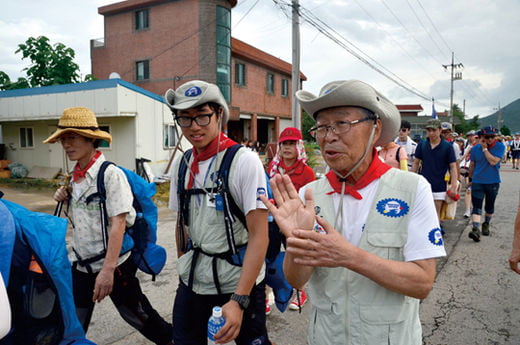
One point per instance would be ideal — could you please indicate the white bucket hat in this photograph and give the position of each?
(354, 93)
(195, 93)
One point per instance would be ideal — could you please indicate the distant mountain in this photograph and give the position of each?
(510, 117)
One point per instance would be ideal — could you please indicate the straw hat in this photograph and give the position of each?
(78, 120)
(354, 93)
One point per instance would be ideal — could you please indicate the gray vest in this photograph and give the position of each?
(349, 308)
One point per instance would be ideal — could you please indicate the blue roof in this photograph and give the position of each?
(89, 85)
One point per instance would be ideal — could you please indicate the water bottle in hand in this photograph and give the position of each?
(215, 323)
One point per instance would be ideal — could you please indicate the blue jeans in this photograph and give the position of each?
(479, 191)
(192, 311)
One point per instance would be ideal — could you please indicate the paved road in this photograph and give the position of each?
(475, 299)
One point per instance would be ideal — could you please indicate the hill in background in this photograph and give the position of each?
(510, 117)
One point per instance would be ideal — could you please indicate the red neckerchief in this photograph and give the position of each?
(493, 144)
(375, 170)
(221, 142)
(80, 173)
(288, 170)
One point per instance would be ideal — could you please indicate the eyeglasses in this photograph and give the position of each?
(489, 136)
(201, 120)
(403, 129)
(340, 127)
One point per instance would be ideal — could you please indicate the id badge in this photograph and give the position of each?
(219, 202)
(210, 200)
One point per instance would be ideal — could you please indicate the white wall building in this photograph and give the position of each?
(140, 123)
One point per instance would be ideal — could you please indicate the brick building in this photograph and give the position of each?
(161, 44)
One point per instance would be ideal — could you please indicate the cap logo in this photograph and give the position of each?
(193, 91)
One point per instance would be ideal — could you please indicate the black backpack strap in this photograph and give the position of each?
(397, 155)
(183, 213)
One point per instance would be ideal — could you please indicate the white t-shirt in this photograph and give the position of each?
(423, 219)
(249, 179)
(5, 310)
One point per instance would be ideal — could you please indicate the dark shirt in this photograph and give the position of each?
(435, 163)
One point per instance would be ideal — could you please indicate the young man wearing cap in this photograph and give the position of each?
(209, 274)
(403, 139)
(371, 254)
(101, 266)
(436, 156)
(484, 175)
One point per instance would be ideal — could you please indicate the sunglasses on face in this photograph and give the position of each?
(489, 136)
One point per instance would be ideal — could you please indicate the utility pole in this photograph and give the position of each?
(456, 76)
(499, 117)
(296, 112)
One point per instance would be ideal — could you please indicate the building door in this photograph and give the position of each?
(56, 154)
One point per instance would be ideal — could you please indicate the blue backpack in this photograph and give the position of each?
(275, 277)
(140, 238)
(43, 311)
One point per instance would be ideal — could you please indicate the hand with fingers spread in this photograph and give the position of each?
(289, 212)
(328, 249)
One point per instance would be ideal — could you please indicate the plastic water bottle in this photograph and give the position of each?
(215, 323)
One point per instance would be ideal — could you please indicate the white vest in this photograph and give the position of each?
(348, 308)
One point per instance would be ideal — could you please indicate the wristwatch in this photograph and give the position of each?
(242, 300)
(484, 149)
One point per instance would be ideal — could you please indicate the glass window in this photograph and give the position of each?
(270, 83)
(169, 136)
(105, 144)
(26, 137)
(285, 87)
(141, 20)
(223, 28)
(240, 74)
(142, 70)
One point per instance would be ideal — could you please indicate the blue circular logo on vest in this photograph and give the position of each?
(392, 207)
(435, 237)
(193, 91)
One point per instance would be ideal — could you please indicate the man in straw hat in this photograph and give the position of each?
(369, 256)
(102, 267)
(211, 272)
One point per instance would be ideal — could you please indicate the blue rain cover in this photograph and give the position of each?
(45, 234)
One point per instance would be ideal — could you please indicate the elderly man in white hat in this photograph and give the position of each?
(101, 259)
(370, 255)
(221, 255)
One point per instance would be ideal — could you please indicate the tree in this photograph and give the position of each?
(50, 65)
(505, 130)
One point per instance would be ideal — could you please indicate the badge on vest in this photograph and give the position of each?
(435, 237)
(392, 207)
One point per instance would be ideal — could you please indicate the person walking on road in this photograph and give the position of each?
(403, 139)
(290, 159)
(370, 255)
(211, 273)
(435, 157)
(484, 175)
(102, 267)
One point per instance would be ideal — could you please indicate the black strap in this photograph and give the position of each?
(397, 155)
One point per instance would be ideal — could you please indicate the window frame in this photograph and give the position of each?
(240, 74)
(23, 143)
(285, 87)
(146, 70)
(142, 23)
(169, 129)
(269, 83)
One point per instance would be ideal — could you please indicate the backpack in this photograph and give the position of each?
(235, 255)
(140, 238)
(37, 272)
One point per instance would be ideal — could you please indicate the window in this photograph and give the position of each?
(104, 144)
(26, 137)
(223, 28)
(270, 83)
(142, 69)
(141, 20)
(285, 87)
(169, 136)
(240, 74)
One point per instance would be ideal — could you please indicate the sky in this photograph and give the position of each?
(406, 42)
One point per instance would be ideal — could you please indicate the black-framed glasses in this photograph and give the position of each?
(201, 120)
(489, 136)
(340, 127)
(403, 129)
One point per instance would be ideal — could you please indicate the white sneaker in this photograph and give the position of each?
(467, 214)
